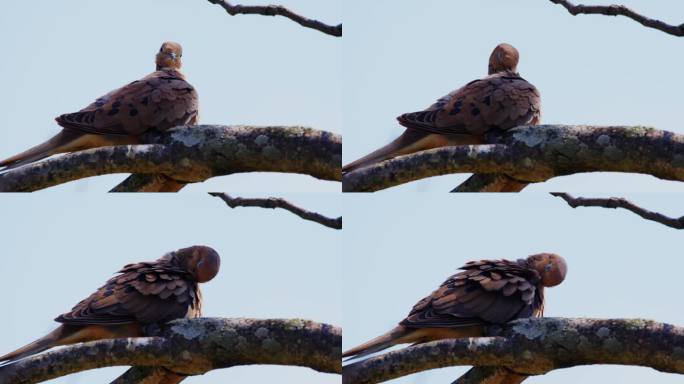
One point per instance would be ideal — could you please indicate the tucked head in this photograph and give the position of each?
(551, 268)
(169, 56)
(201, 261)
(503, 58)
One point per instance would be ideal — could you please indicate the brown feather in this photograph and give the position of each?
(500, 101)
(159, 101)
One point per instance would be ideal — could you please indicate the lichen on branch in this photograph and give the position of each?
(531, 154)
(193, 154)
(195, 346)
(536, 346)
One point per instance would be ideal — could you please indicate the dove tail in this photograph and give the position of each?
(408, 142)
(48, 341)
(53, 146)
(398, 335)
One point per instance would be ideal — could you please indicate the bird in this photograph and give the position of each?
(159, 101)
(142, 296)
(486, 292)
(500, 101)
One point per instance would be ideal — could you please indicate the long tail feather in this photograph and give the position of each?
(40, 151)
(398, 335)
(399, 146)
(48, 341)
(409, 142)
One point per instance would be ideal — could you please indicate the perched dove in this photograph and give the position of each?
(158, 101)
(486, 292)
(144, 294)
(502, 100)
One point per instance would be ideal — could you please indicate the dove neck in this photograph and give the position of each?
(540, 296)
(506, 73)
(167, 68)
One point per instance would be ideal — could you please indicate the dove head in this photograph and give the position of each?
(503, 58)
(169, 56)
(201, 261)
(551, 268)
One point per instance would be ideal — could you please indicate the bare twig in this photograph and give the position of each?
(191, 347)
(193, 154)
(536, 346)
(530, 154)
(275, 202)
(279, 10)
(618, 202)
(621, 10)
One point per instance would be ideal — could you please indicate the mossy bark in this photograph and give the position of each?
(534, 154)
(192, 347)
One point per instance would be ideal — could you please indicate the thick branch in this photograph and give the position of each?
(279, 10)
(193, 347)
(146, 182)
(490, 375)
(148, 375)
(618, 202)
(490, 182)
(536, 153)
(275, 202)
(535, 347)
(193, 154)
(621, 10)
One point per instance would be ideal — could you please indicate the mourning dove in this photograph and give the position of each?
(158, 101)
(486, 292)
(502, 100)
(144, 294)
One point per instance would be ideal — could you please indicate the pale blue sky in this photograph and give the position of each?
(59, 56)
(400, 56)
(397, 251)
(274, 264)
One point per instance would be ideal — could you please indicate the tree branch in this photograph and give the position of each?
(621, 10)
(193, 347)
(276, 202)
(531, 154)
(490, 182)
(535, 347)
(490, 375)
(148, 182)
(279, 10)
(193, 154)
(618, 202)
(148, 375)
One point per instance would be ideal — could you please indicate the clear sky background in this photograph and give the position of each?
(58, 56)
(399, 250)
(400, 56)
(273, 264)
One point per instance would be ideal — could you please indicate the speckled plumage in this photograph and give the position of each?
(486, 292)
(159, 101)
(144, 294)
(500, 101)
